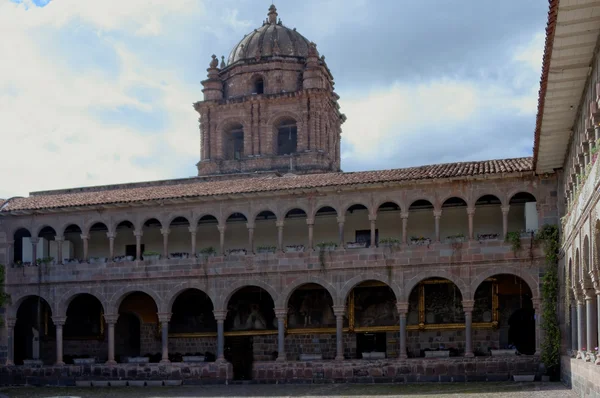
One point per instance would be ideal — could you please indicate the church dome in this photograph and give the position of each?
(271, 39)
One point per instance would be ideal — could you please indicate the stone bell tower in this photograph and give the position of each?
(270, 108)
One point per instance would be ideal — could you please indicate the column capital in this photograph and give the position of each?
(505, 209)
(111, 235)
(221, 228)
(59, 320)
(34, 240)
(339, 310)
(10, 322)
(404, 215)
(138, 234)
(536, 303)
(341, 219)
(59, 238)
(281, 313)
(164, 317)
(165, 231)
(279, 224)
(250, 225)
(470, 210)
(111, 319)
(193, 230)
(372, 217)
(84, 237)
(468, 305)
(220, 315)
(402, 308)
(310, 221)
(437, 213)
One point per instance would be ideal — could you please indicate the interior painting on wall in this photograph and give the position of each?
(250, 309)
(375, 306)
(311, 307)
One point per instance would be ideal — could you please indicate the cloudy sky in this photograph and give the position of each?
(101, 92)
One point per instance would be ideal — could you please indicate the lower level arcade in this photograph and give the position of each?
(435, 322)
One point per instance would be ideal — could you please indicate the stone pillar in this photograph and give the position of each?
(59, 322)
(111, 321)
(339, 311)
(468, 308)
(404, 217)
(580, 328)
(10, 341)
(311, 223)
(34, 242)
(281, 314)
(138, 244)
(193, 241)
(59, 244)
(591, 321)
(86, 244)
(279, 225)
(111, 244)
(574, 345)
(373, 219)
(341, 221)
(165, 233)
(471, 214)
(504, 210)
(164, 318)
(597, 132)
(221, 229)
(402, 312)
(538, 317)
(250, 237)
(220, 318)
(437, 214)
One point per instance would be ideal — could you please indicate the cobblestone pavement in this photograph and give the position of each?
(481, 390)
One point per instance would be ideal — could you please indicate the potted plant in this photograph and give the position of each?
(151, 256)
(419, 241)
(266, 249)
(294, 248)
(356, 245)
(179, 255)
(207, 252)
(236, 252)
(458, 238)
(326, 246)
(482, 237)
(389, 242)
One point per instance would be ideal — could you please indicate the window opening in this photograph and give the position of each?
(287, 139)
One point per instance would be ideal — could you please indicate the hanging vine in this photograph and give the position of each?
(4, 298)
(548, 235)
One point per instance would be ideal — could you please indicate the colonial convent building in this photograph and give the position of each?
(274, 265)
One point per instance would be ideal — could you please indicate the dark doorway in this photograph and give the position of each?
(130, 250)
(364, 235)
(127, 336)
(521, 332)
(239, 351)
(370, 342)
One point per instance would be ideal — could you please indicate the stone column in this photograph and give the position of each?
(339, 311)
(220, 318)
(437, 214)
(250, 237)
(281, 314)
(10, 341)
(193, 241)
(165, 233)
(471, 214)
(580, 328)
(221, 229)
(164, 318)
(373, 219)
(402, 312)
(111, 244)
(59, 244)
(404, 217)
(138, 244)
(341, 221)
(59, 322)
(591, 321)
(574, 345)
(311, 223)
(538, 317)
(504, 210)
(597, 132)
(34, 242)
(111, 321)
(86, 244)
(468, 308)
(279, 225)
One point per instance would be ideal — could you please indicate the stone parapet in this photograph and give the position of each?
(581, 376)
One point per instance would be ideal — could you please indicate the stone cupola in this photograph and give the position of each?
(270, 108)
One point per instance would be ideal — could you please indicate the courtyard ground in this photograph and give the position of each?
(481, 390)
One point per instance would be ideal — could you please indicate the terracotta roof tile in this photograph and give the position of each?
(110, 195)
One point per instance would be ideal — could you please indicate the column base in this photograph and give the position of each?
(339, 358)
(403, 357)
(469, 355)
(281, 358)
(111, 363)
(61, 363)
(164, 361)
(221, 360)
(9, 363)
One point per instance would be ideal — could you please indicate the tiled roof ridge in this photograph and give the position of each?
(265, 183)
(550, 30)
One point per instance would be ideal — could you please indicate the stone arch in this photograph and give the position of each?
(145, 219)
(282, 115)
(85, 228)
(171, 217)
(348, 204)
(117, 298)
(67, 298)
(340, 299)
(13, 230)
(498, 195)
(283, 214)
(254, 81)
(596, 246)
(40, 227)
(221, 303)
(285, 295)
(519, 190)
(516, 271)
(585, 264)
(255, 213)
(178, 290)
(113, 226)
(88, 226)
(228, 122)
(234, 211)
(419, 198)
(17, 300)
(454, 195)
(387, 199)
(197, 217)
(577, 268)
(225, 128)
(414, 281)
(322, 206)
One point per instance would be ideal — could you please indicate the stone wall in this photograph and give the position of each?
(193, 345)
(582, 377)
(324, 344)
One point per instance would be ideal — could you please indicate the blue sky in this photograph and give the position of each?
(100, 92)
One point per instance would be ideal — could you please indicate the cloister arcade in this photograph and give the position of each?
(354, 225)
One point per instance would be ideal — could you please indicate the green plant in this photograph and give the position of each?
(549, 237)
(207, 251)
(323, 245)
(514, 238)
(389, 241)
(150, 253)
(266, 248)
